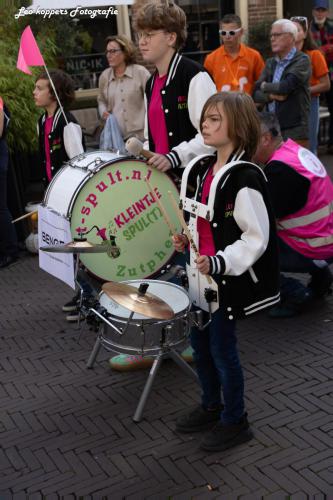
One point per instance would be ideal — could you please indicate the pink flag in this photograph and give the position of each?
(29, 53)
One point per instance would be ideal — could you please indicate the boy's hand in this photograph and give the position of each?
(160, 162)
(180, 242)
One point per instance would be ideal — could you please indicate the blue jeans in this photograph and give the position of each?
(218, 367)
(8, 238)
(314, 124)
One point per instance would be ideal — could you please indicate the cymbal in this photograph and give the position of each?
(79, 246)
(148, 304)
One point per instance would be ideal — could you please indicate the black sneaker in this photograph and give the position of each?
(224, 436)
(321, 282)
(71, 305)
(198, 419)
(7, 260)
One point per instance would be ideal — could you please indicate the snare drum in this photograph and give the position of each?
(103, 189)
(143, 335)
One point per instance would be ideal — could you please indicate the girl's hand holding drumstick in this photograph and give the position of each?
(201, 259)
(203, 264)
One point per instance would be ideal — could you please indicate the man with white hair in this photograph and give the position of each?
(283, 86)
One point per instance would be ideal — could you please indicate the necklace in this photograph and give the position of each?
(234, 81)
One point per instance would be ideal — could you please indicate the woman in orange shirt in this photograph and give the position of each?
(319, 82)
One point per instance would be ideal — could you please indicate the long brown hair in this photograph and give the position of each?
(243, 122)
(309, 43)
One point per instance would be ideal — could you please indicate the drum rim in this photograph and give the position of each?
(147, 320)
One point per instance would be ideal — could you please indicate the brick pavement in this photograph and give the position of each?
(67, 432)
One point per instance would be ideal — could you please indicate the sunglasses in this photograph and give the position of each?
(303, 21)
(229, 33)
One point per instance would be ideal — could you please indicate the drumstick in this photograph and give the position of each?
(161, 207)
(186, 230)
(25, 216)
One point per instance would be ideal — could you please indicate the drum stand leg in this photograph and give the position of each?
(95, 351)
(164, 354)
(147, 389)
(182, 364)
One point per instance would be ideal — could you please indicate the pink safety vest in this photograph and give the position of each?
(309, 231)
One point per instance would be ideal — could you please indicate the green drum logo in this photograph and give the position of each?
(117, 200)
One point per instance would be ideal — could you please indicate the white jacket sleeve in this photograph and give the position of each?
(201, 88)
(251, 216)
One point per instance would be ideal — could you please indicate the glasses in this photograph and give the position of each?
(146, 37)
(229, 33)
(276, 35)
(112, 51)
(303, 21)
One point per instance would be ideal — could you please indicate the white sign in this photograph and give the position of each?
(55, 230)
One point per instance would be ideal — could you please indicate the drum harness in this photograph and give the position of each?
(206, 298)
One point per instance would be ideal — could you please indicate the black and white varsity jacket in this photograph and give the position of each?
(56, 140)
(245, 266)
(187, 88)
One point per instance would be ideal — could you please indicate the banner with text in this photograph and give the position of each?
(55, 230)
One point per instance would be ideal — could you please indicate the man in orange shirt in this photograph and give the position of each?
(234, 66)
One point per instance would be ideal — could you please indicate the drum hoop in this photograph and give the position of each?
(146, 321)
(149, 321)
(49, 187)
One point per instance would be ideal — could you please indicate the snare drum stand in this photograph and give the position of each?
(79, 290)
(165, 352)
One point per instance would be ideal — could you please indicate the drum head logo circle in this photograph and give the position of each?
(116, 198)
(311, 162)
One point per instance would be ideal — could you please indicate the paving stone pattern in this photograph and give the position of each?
(67, 432)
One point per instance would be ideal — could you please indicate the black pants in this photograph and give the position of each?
(329, 101)
(8, 238)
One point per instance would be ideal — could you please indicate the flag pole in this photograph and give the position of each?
(55, 93)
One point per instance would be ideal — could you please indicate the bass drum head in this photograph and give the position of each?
(117, 200)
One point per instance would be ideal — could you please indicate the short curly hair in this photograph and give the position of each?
(162, 16)
(126, 45)
(63, 84)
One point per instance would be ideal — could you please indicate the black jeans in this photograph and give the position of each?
(329, 101)
(8, 238)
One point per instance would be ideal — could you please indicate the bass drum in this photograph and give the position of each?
(109, 191)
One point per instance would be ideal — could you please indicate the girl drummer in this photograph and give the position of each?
(238, 249)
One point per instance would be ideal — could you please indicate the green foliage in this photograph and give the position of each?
(55, 37)
(64, 31)
(258, 37)
(16, 87)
